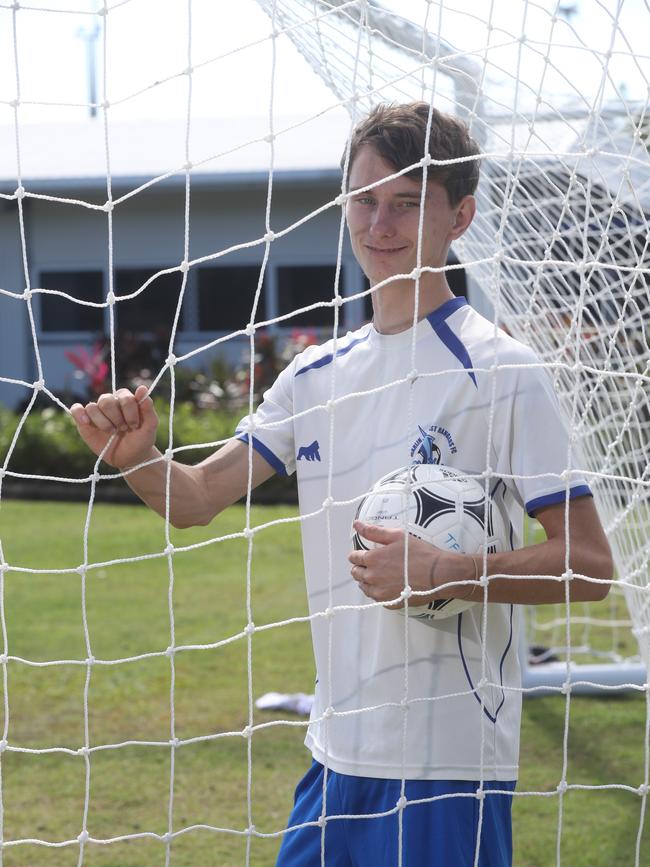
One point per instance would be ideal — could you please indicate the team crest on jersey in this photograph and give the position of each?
(428, 447)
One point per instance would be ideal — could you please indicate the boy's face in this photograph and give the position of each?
(384, 222)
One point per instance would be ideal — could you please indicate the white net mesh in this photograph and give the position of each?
(559, 247)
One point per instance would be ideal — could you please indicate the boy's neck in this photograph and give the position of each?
(394, 304)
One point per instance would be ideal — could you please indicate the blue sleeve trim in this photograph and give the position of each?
(266, 453)
(557, 497)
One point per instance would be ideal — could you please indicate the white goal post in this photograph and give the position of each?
(558, 251)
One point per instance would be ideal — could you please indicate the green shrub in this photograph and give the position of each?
(48, 443)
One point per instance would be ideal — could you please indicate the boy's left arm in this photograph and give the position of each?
(530, 575)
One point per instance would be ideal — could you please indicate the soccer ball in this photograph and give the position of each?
(442, 506)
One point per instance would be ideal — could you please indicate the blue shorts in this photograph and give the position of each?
(439, 833)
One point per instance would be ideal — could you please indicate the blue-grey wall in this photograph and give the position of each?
(149, 230)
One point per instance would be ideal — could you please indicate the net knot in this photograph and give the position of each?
(249, 331)
(20, 192)
(27, 294)
(249, 628)
(562, 787)
(406, 593)
(480, 794)
(3, 658)
(110, 298)
(184, 267)
(247, 732)
(401, 802)
(170, 651)
(270, 138)
(169, 549)
(171, 360)
(270, 236)
(251, 830)
(39, 384)
(643, 789)
(412, 376)
(90, 659)
(83, 751)
(328, 713)
(3, 745)
(169, 455)
(328, 502)
(83, 837)
(108, 206)
(340, 199)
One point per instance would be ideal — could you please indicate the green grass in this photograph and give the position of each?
(128, 614)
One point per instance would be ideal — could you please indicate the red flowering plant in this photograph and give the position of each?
(90, 366)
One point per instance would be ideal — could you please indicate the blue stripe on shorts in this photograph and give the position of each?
(437, 833)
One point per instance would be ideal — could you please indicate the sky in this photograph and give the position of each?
(147, 41)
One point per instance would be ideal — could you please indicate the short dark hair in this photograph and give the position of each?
(398, 134)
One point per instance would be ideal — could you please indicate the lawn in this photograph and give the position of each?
(139, 697)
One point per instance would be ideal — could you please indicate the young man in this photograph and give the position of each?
(418, 736)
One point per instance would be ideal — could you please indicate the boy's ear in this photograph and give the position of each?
(465, 211)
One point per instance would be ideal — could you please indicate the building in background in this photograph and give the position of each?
(72, 247)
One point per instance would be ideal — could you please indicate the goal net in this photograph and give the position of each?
(557, 256)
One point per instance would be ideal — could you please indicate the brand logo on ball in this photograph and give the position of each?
(426, 450)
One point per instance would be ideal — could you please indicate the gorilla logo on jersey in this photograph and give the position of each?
(425, 450)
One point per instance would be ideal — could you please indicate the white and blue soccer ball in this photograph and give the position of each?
(442, 506)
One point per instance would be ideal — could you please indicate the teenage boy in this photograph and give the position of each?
(419, 736)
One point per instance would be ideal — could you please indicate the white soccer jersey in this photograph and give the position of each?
(439, 705)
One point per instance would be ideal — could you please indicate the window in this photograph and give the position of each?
(153, 310)
(226, 296)
(60, 314)
(299, 286)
